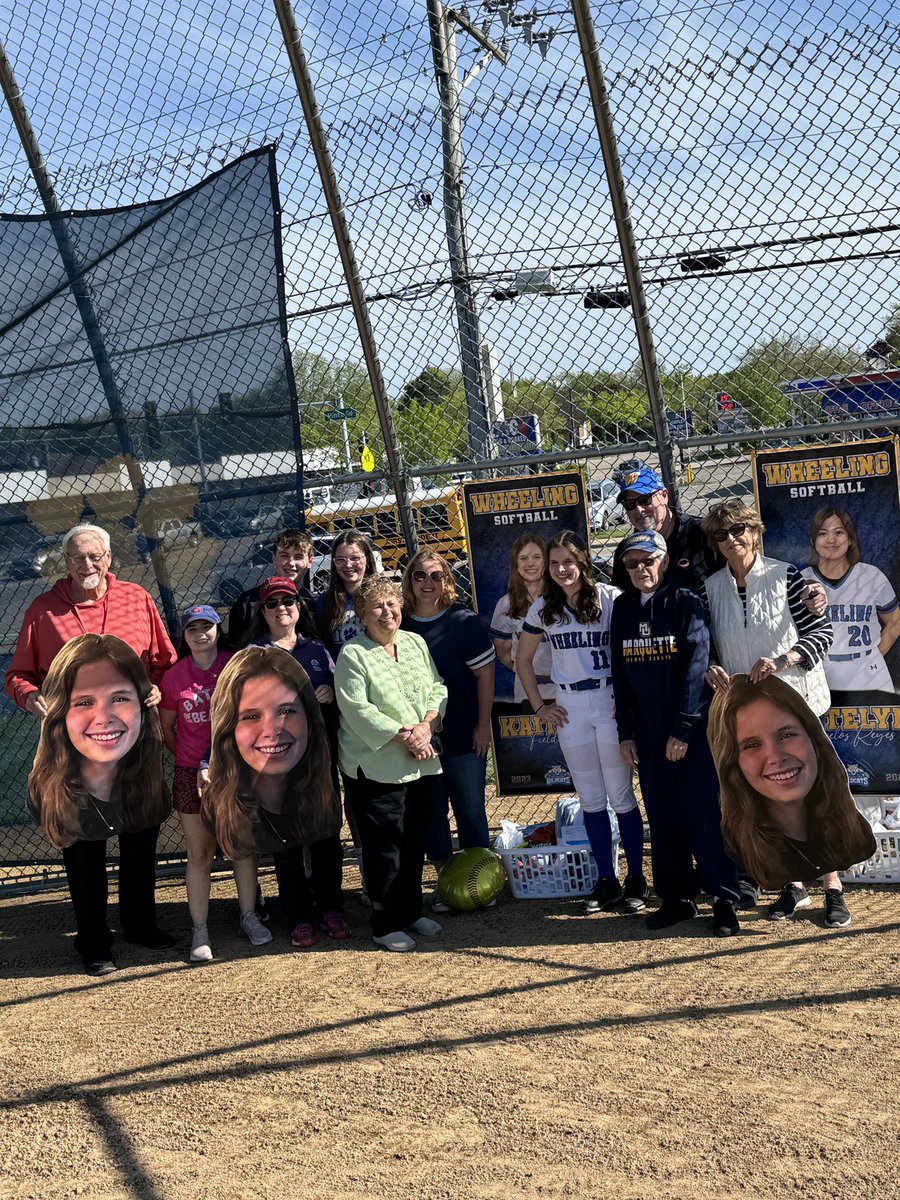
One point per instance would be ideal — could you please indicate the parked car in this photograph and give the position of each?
(629, 466)
(603, 504)
(25, 554)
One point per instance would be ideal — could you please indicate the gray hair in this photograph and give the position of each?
(95, 530)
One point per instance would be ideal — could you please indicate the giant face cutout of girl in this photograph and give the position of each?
(103, 720)
(272, 731)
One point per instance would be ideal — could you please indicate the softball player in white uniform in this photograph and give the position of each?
(857, 605)
(582, 714)
(862, 605)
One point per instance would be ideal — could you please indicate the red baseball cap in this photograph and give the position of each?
(277, 586)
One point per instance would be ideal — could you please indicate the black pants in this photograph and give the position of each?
(85, 864)
(393, 821)
(682, 804)
(305, 900)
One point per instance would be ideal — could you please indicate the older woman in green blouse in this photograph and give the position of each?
(391, 699)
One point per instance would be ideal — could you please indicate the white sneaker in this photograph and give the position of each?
(252, 927)
(397, 941)
(426, 928)
(201, 951)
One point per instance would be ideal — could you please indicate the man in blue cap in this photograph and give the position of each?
(645, 499)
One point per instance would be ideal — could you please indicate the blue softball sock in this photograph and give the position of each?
(599, 833)
(631, 834)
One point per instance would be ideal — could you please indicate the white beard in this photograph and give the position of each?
(90, 583)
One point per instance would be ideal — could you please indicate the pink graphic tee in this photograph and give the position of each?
(186, 691)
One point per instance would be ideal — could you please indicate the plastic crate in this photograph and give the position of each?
(545, 872)
(883, 866)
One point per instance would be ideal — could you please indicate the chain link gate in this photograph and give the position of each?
(630, 229)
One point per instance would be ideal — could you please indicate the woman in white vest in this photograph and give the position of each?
(761, 626)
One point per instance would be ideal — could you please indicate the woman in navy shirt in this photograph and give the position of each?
(463, 653)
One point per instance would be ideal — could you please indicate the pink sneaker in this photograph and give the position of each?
(303, 935)
(335, 926)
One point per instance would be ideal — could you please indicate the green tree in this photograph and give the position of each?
(434, 385)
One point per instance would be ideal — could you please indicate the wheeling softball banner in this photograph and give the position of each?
(498, 513)
(834, 512)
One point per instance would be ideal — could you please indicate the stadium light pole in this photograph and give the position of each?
(77, 279)
(587, 38)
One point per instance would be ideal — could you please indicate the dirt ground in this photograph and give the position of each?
(528, 1052)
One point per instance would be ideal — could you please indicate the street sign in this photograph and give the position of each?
(367, 459)
(340, 414)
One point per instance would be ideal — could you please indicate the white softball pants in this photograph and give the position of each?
(590, 745)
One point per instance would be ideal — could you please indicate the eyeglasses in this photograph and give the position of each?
(434, 576)
(733, 531)
(81, 560)
(349, 562)
(640, 502)
(287, 601)
(640, 562)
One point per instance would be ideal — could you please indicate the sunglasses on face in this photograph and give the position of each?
(733, 531)
(641, 562)
(287, 601)
(639, 502)
(434, 576)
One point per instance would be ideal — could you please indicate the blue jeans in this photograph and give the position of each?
(462, 783)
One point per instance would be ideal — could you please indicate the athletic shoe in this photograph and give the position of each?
(791, 899)
(262, 909)
(426, 928)
(837, 914)
(606, 894)
(201, 951)
(252, 927)
(303, 936)
(398, 941)
(153, 939)
(335, 926)
(724, 918)
(670, 912)
(99, 967)
(636, 893)
(438, 905)
(749, 892)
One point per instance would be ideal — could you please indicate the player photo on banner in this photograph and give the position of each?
(834, 512)
(508, 524)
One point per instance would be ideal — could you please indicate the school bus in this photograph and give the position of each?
(437, 514)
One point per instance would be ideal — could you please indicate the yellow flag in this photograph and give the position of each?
(367, 459)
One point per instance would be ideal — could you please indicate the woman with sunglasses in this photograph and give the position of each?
(282, 620)
(463, 653)
(760, 626)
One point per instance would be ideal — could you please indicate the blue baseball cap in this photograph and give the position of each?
(647, 540)
(644, 483)
(200, 612)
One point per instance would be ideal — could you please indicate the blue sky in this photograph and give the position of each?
(738, 123)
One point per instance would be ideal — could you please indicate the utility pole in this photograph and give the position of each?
(442, 22)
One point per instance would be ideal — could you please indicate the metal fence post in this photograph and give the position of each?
(76, 277)
(325, 166)
(596, 82)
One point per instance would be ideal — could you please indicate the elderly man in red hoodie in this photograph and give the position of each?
(88, 600)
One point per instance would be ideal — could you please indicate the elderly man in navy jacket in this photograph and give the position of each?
(659, 642)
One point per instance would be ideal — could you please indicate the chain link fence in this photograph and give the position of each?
(400, 244)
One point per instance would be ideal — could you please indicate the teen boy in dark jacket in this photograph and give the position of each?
(659, 642)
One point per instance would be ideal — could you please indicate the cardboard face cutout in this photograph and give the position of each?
(787, 811)
(98, 767)
(270, 769)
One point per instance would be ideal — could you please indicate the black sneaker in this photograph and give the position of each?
(262, 909)
(606, 894)
(724, 918)
(99, 967)
(790, 901)
(837, 914)
(670, 912)
(749, 892)
(636, 893)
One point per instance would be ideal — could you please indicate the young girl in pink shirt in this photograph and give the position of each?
(184, 712)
